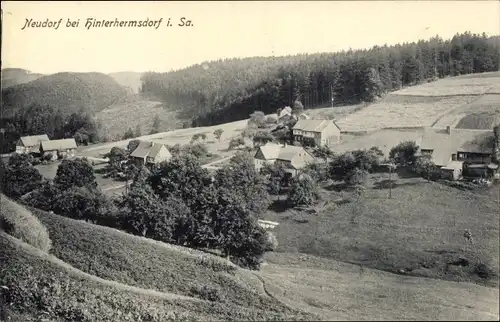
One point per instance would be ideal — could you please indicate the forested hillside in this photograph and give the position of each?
(15, 76)
(67, 91)
(60, 105)
(228, 90)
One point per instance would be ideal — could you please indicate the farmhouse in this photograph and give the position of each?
(293, 158)
(454, 150)
(148, 153)
(58, 148)
(285, 112)
(30, 144)
(316, 132)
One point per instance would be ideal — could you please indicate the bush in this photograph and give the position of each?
(207, 293)
(482, 270)
(18, 222)
(271, 120)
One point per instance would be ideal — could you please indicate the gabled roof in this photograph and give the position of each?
(146, 149)
(288, 152)
(287, 110)
(270, 150)
(459, 140)
(62, 144)
(312, 125)
(33, 139)
(155, 149)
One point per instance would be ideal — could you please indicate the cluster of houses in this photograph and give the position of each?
(41, 144)
(457, 153)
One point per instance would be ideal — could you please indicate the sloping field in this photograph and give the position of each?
(419, 230)
(59, 291)
(481, 120)
(439, 103)
(137, 279)
(344, 292)
(135, 111)
(383, 139)
(401, 111)
(486, 106)
(472, 85)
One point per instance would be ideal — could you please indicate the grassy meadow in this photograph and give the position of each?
(418, 232)
(138, 279)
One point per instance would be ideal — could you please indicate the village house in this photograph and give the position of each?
(316, 132)
(58, 148)
(149, 153)
(284, 113)
(458, 151)
(30, 144)
(293, 158)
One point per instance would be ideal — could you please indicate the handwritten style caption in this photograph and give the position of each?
(90, 23)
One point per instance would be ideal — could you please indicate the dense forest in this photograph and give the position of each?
(228, 90)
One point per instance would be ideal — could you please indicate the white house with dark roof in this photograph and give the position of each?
(30, 144)
(148, 153)
(58, 148)
(293, 158)
(316, 132)
(450, 149)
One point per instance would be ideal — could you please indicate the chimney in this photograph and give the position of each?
(448, 129)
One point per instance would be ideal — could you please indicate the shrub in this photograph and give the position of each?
(207, 293)
(257, 119)
(482, 270)
(271, 119)
(18, 222)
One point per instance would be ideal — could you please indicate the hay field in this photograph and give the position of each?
(401, 111)
(439, 103)
(471, 85)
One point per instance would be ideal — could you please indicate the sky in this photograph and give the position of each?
(223, 29)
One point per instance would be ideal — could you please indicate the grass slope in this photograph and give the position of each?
(91, 92)
(152, 265)
(20, 223)
(480, 120)
(16, 76)
(341, 291)
(135, 111)
(40, 285)
(419, 230)
(440, 103)
(129, 80)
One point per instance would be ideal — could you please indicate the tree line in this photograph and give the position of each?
(228, 90)
(38, 119)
